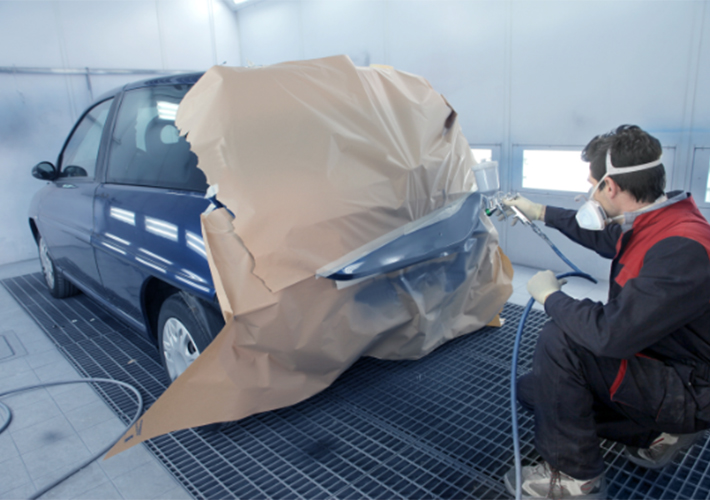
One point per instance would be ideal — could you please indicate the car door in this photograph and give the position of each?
(148, 210)
(66, 213)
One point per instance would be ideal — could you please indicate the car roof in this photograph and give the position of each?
(183, 78)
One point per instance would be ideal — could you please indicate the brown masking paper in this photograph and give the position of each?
(316, 159)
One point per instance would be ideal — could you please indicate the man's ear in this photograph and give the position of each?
(612, 188)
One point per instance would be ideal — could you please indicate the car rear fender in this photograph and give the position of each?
(153, 295)
(35, 231)
(155, 292)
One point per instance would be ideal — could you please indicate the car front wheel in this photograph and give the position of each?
(58, 285)
(185, 329)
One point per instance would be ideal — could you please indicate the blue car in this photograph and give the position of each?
(119, 219)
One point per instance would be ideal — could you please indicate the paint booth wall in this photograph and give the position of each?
(525, 74)
(37, 111)
(521, 74)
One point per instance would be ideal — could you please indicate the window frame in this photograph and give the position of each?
(100, 154)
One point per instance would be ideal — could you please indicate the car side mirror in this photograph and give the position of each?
(45, 171)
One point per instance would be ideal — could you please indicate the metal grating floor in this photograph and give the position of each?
(433, 428)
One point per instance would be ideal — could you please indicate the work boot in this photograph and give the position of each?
(662, 451)
(542, 481)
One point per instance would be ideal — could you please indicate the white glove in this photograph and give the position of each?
(543, 284)
(531, 210)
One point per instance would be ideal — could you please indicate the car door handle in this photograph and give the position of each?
(68, 186)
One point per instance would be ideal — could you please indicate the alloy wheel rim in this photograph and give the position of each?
(179, 348)
(46, 261)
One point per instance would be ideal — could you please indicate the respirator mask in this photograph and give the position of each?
(591, 214)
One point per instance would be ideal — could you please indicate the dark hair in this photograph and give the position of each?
(630, 146)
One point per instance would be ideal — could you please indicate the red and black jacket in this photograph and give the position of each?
(659, 286)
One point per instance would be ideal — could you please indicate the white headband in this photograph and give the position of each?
(612, 170)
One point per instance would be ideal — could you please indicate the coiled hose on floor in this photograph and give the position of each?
(8, 419)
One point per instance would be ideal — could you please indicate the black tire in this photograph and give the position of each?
(186, 326)
(58, 285)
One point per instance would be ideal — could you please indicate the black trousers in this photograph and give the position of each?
(578, 398)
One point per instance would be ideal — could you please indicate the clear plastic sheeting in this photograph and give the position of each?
(315, 160)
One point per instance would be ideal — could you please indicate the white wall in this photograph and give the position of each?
(38, 110)
(522, 72)
(519, 72)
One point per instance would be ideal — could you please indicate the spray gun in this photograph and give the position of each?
(495, 203)
(487, 180)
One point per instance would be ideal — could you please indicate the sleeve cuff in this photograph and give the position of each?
(552, 214)
(556, 301)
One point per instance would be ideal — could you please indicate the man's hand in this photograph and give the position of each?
(543, 284)
(531, 210)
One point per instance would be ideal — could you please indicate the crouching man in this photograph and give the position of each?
(635, 370)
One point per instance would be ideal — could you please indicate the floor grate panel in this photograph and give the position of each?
(438, 427)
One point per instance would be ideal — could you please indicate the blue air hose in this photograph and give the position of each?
(514, 363)
(547, 240)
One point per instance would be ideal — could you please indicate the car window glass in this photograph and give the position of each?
(146, 148)
(79, 156)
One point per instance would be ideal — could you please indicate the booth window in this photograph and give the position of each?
(550, 169)
(482, 155)
(700, 177)
(555, 170)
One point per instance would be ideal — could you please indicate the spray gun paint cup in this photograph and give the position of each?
(487, 176)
